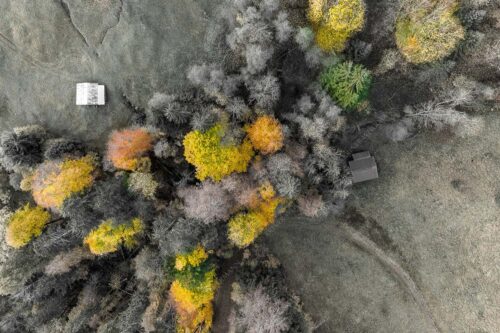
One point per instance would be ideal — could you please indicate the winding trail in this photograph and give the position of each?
(394, 268)
(67, 11)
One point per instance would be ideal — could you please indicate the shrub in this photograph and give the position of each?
(143, 182)
(211, 158)
(429, 32)
(108, 238)
(347, 83)
(312, 205)
(127, 148)
(244, 228)
(266, 135)
(336, 23)
(53, 182)
(25, 224)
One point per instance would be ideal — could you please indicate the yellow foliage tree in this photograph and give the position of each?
(335, 21)
(53, 182)
(193, 290)
(191, 316)
(213, 159)
(108, 238)
(25, 224)
(194, 258)
(266, 134)
(244, 228)
(428, 30)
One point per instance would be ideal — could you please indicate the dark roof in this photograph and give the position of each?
(363, 167)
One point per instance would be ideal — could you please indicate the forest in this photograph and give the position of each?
(140, 234)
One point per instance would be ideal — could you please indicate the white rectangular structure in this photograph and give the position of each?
(90, 94)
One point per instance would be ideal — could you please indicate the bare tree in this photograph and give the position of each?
(260, 313)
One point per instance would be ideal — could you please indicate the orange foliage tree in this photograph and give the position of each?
(127, 148)
(266, 135)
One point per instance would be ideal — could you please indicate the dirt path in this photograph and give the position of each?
(394, 268)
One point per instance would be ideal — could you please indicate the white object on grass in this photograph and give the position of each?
(89, 94)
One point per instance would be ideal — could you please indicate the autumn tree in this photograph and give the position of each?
(193, 290)
(266, 134)
(127, 149)
(25, 224)
(428, 30)
(108, 237)
(245, 227)
(212, 158)
(335, 21)
(53, 182)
